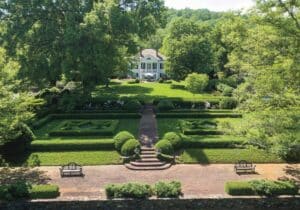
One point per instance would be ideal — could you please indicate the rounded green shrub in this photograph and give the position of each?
(174, 138)
(165, 147)
(128, 149)
(121, 138)
(133, 105)
(165, 105)
(228, 103)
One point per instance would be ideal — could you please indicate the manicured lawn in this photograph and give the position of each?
(150, 90)
(80, 157)
(207, 156)
(72, 145)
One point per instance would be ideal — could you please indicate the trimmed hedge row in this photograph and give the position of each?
(82, 133)
(212, 144)
(201, 132)
(129, 190)
(98, 116)
(141, 191)
(261, 187)
(44, 191)
(71, 145)
(198, 115)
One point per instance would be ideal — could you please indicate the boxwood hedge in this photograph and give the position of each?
(261, 187)
(128, 190)
(44, 191)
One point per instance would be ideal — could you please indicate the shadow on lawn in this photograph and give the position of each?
(198, 155)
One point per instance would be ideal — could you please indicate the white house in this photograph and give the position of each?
(149, 65)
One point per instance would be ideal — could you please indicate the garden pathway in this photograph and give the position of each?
(148, 127)
(197, 180)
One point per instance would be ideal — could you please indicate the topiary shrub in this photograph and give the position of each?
(174, 138)
(168, 190)
(129, 190)
(128, 149)
(121, 138)
(228, 103)
(165, 147)
(165, 105)
(227, 91)
(20, 139)
(133, 105)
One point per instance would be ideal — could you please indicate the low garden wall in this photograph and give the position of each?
(282, 203)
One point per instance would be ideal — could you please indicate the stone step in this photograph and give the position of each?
(147, 164)
(148, 153)
(148, 160)
(147, 149)
(149, 168)
(148, 156)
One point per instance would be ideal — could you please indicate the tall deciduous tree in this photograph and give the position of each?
(187, 48)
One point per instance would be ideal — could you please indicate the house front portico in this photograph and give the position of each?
(149, 65)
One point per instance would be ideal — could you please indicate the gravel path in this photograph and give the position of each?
(197, 180)
(148, 127)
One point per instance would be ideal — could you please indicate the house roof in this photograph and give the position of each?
(153, 53)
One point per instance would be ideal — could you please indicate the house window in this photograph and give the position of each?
(161, 66)
(154, 66)
(143, 65)
(148, 66)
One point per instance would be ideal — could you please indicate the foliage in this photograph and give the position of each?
(168, 189)
(133, 105)
(273, 131)
(128, 190)
(61, 45)
(121, 138)
(196, 83)
(228, 103)
(44, 191)
(165, 105)
(261, 187)
(187, 48)
(265, 187)
(164, 147)
(129, 147)
(174, 139)
(17, 190)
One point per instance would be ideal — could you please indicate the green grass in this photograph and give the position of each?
(80, 157)
(208, 156)
(72, 145)
(150, 91)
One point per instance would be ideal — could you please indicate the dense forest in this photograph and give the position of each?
(252, 57)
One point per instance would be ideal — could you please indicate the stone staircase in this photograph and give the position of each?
(148, 161)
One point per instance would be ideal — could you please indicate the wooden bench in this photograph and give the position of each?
(71, 169)
(244, 167)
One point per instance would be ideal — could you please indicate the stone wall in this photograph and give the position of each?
(289, 203)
